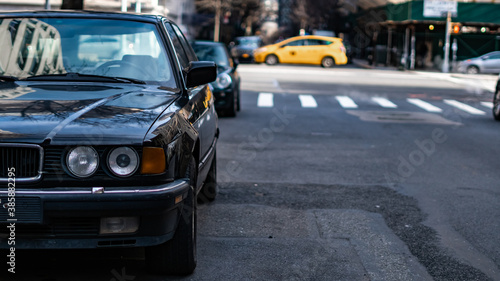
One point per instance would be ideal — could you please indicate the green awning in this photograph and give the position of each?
(472, 13)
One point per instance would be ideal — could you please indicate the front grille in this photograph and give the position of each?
(25, 158)
(58, 227)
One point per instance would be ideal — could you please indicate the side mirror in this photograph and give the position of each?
(199, 73)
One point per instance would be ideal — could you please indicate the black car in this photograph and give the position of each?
(108, 134)
(227, 86)
(496, 101)
(242, 48)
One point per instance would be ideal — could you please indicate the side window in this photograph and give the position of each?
(185, 44)
(181, 55)
(295, 43)
(314, 42)
(495, 56)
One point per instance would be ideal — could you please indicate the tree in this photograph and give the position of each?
(317, 14)
(245, 11)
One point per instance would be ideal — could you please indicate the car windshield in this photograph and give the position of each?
(253, 42)
(215, 53)
(101, 47)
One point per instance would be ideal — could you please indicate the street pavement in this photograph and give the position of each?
(319, 180)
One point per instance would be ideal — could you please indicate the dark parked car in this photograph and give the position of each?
(242, 48)
(496, 101)
(227, 85)
(108, 134)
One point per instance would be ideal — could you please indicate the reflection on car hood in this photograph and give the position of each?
(75, 113)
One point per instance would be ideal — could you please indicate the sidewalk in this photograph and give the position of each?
(485, 82)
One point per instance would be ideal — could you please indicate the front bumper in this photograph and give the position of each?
(259, 57)
(70, 217)
(223, 98)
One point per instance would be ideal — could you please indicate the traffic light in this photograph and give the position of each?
(456, 28)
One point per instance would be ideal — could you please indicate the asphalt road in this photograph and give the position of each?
(338, 174)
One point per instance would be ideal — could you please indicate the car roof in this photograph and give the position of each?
(248, 37)
(327, 38)
(82, 14)
(203, 42)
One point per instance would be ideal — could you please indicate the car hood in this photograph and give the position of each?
(78, 112)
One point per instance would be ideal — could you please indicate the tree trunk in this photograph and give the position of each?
(218, 8)
(72, 4)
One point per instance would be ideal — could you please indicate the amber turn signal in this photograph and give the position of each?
(153, 160)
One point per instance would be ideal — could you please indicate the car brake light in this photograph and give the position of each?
(342, 49)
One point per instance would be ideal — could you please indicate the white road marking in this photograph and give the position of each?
(425, 105)
(308, 101)
(383, 102)
(265, 100)
(346, 102)
(465, 107)
(487, 104)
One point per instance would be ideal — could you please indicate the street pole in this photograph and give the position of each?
(446, 61)
(47, 4)
(217, 20)
(138, 6)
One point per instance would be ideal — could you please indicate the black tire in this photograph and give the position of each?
(239, 101)
(496, 104)
(327, 62)
(472, 70)
(272, 60)
(208, 191)
(178, 255)
(233, 106)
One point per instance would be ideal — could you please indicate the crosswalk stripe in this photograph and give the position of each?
(265, 100)
(425, 105)
(346, 102)
(487, 104)
(383, 102)
(464, 107)
(308, 101)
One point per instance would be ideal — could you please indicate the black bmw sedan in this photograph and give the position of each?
(108, 134)
(227, 85)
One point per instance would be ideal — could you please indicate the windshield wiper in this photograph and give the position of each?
(83, 77)
(7, 78)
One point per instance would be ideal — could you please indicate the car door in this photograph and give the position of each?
(314, 51)
(292, 52)
(491, 63)
(201, 106)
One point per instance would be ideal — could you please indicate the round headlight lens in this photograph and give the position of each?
(123, 161)
(223, 81)
(82, 161)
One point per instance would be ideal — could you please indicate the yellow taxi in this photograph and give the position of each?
(308, 49)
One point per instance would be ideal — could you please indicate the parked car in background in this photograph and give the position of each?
(108, 134)
(309, 49)
(487, 63)
(226, 88)
(496, 101)
(242, 48)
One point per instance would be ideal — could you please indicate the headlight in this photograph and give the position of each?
(123, 161)
(82, 161)
(223, 81)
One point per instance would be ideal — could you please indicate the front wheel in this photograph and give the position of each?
(327, 62)
(271, 60)
(496, 103)
(232, 109)
(178, 255)
(472, 70)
